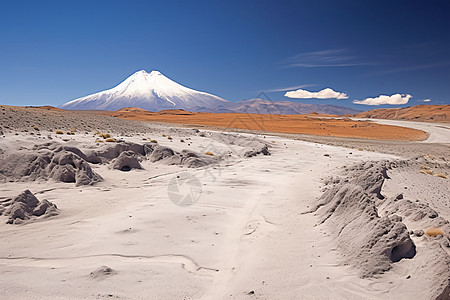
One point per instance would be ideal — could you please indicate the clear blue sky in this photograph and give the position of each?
(55, 51)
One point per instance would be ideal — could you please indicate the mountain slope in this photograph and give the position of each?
(151, 91)
(427, 113)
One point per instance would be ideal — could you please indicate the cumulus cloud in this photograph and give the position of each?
(323, 94)
(396, 99)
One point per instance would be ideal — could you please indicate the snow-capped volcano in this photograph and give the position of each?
(151, 91)
(154, 92)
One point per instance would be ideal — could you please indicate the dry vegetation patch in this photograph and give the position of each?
(433, 232)
(425, 171)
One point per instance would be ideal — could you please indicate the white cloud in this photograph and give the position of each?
(426, 100)
(323, 94)
(396, 99)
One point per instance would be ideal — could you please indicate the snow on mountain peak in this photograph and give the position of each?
(145, 73)
(151, 91)
(154, 73)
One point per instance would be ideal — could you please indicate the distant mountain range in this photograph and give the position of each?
(262, 106)
(154, 92)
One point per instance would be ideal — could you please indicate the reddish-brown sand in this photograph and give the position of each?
(47, 107)
(303, 124)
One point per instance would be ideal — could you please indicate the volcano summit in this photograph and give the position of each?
(151, 91)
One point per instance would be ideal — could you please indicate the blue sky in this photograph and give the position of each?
(55, 51)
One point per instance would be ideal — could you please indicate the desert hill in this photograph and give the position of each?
(424, 113)
(132, 109)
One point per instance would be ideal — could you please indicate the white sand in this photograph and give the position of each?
(245, 237)
(438, 132)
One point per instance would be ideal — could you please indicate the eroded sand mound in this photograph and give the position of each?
(45, 162)
(102, 272)
(367, 239)
(126, 161)
(186, 157)
(127, 155)
(151, 151)
(110, 152)
(63, 163)
(26, 206)
(242, 145)
(370, 228)
(157, 152)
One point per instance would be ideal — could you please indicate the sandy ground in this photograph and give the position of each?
(147, 239)
(297, 124)
(438, 132)
(245, 237)
(437, 142)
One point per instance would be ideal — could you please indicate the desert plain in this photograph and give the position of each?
(120, 205)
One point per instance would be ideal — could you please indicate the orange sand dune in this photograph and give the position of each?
(174, 112)
(48, 107)
(426, 113)
(132, 109)
(277, 123)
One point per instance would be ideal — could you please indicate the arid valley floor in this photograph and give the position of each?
(131, 209)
